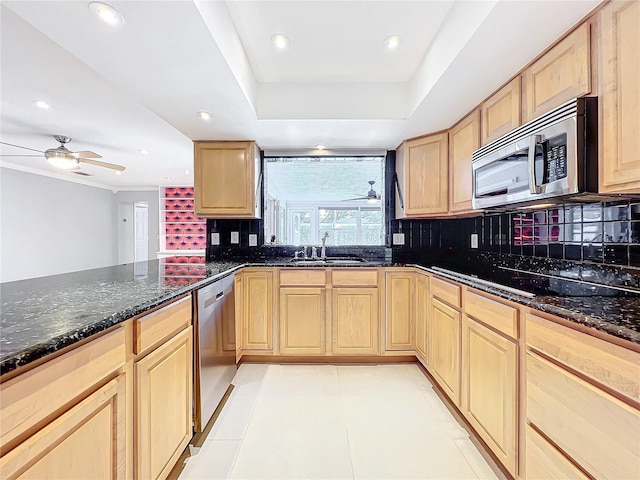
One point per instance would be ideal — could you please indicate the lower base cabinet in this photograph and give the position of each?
(88, 441)
(544, 461)
(445, 348)
(489, 370)
(355, 323)
(302, 321)
(163, 406)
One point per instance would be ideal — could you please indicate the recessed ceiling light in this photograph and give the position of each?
(118, 172)
(320, 147)
(41, 104)
(204, 115)
(167, 178)
(144, 152)
(186, 172)
(106, 13)
(280, 40)
(392, 41)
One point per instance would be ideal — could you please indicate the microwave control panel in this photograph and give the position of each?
(554, 152)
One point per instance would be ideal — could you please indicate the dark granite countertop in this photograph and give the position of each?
(40, 316)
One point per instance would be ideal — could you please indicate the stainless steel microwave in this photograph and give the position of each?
(555, 155)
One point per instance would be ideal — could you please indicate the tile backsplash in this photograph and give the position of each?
(598, 232)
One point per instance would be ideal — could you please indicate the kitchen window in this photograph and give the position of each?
(308, 196)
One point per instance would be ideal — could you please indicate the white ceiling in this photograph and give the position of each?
(116, 91)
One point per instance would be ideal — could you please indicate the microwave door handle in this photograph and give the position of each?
(535, 140)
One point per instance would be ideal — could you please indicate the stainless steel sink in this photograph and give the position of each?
(329, 261)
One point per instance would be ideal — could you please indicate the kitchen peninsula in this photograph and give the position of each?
(107, 323)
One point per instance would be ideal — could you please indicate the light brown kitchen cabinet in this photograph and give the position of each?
(563, 73)
(163, 406)
(257, 310)
(238, 298)
(302, 321)
(444, 348)
(501, 112)
(422, 166)
(355, 321)
(421, 315)
(464, 139)
(227, 179)
(582, 394)
(490, 389)
(399, 311)
(619, 97)
(60, 449)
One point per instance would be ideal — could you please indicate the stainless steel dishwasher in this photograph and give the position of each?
(214, 347)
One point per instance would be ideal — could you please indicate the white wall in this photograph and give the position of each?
(50, 226)
(123, 210)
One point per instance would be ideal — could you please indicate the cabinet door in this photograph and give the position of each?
(399, 311)
(464, 139)
(302, 321)
(563, 73)
(354, 321)
(489, 366)
(620, 97)
(163, 393)
(445, 348)
(501, 112)
(421, 313)
(426, 176)
(257, 312)
(225, 176)
(88, 441)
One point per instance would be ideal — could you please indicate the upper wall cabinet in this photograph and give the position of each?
(464, 139)
(423, 174)
(561, 74)
(501, 113)
(620, 97)
(227, 179)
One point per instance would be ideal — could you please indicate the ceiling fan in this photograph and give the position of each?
(370, 197)
(62, 157)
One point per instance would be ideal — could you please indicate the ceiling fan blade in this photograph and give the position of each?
(10, 155)
(350, 199)
(20, 146)
(112, 166)
(86, 154)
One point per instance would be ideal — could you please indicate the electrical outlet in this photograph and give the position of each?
(235, 237)
(253, 239)
(215, 239)
(398, 238)
(474, 240)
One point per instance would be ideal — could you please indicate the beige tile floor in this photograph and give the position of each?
(336, 422)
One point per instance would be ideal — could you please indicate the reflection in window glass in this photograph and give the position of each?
(306, 197)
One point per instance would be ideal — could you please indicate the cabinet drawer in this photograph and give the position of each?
(616, 367)
(37, 394)
(445, 291)
(154, 327)
(495, 314)
(598, 431)
(355, 278)
(290, 277)
(544, 461)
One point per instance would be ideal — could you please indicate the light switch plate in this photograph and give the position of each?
(474, 240)
(215, 239)
(398, 238)
(235, 237)
(253, 239)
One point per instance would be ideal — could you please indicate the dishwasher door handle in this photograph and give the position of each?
(210, 301)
